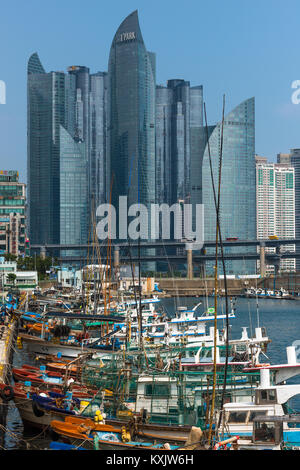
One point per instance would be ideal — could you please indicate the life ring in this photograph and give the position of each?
(7, 393)
(36, 411)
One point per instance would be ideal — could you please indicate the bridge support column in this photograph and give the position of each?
(189, 253)
(262, 259)
(43, 252)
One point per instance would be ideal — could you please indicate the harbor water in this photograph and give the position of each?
(281, 318)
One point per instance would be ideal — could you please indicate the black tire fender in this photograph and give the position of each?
(7, 393)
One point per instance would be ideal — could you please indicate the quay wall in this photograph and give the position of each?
(202, 287)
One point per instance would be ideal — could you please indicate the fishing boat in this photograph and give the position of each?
(88, 434)
(271, 401)
(37, 407)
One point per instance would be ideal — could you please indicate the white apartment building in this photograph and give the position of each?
(275, 207)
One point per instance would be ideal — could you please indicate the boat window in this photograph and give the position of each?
(272, 395)
(253, 414)
(264, 432)
(264, 395)
(237, 416)
(157, 390)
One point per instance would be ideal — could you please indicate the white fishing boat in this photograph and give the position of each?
(271, 403)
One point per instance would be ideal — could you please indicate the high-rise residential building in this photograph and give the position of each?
(12, 213)
(46, 111)
(237, 196)
(275, 207)
(131, 125)
(98, 165)
(179, 127)
(90, 127)
(131, 116)
(179, 121)
(66, 151)
(295, 163)
(73, 192)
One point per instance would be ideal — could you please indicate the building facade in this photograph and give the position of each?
(12, 213)
(275, 208)
(237, 208)
(295, 163)
(131, 116)
(66, 152)
(179, 124)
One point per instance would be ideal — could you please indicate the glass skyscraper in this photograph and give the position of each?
(57, 167)
(131, 116)
(73, 192)
(238, 198)
(131, 122)
(179, 145)
(179, 121)
(46, 112)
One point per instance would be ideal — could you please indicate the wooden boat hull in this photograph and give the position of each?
(76, 431)
(37, 345)
(31, 420)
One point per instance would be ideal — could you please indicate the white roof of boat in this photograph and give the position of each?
(246, 406)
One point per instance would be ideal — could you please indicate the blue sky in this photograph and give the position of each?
(236, 47)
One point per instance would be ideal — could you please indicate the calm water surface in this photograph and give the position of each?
(281, 318)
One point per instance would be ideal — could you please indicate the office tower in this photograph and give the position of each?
(12, 213)
(131, 116)
(56, 130)
(275, 206)
(237, 196)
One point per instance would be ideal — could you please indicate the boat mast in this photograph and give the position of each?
(218, 236)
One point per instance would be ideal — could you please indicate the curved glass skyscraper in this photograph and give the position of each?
(57, 158)
(238, 200)
(131, 115)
